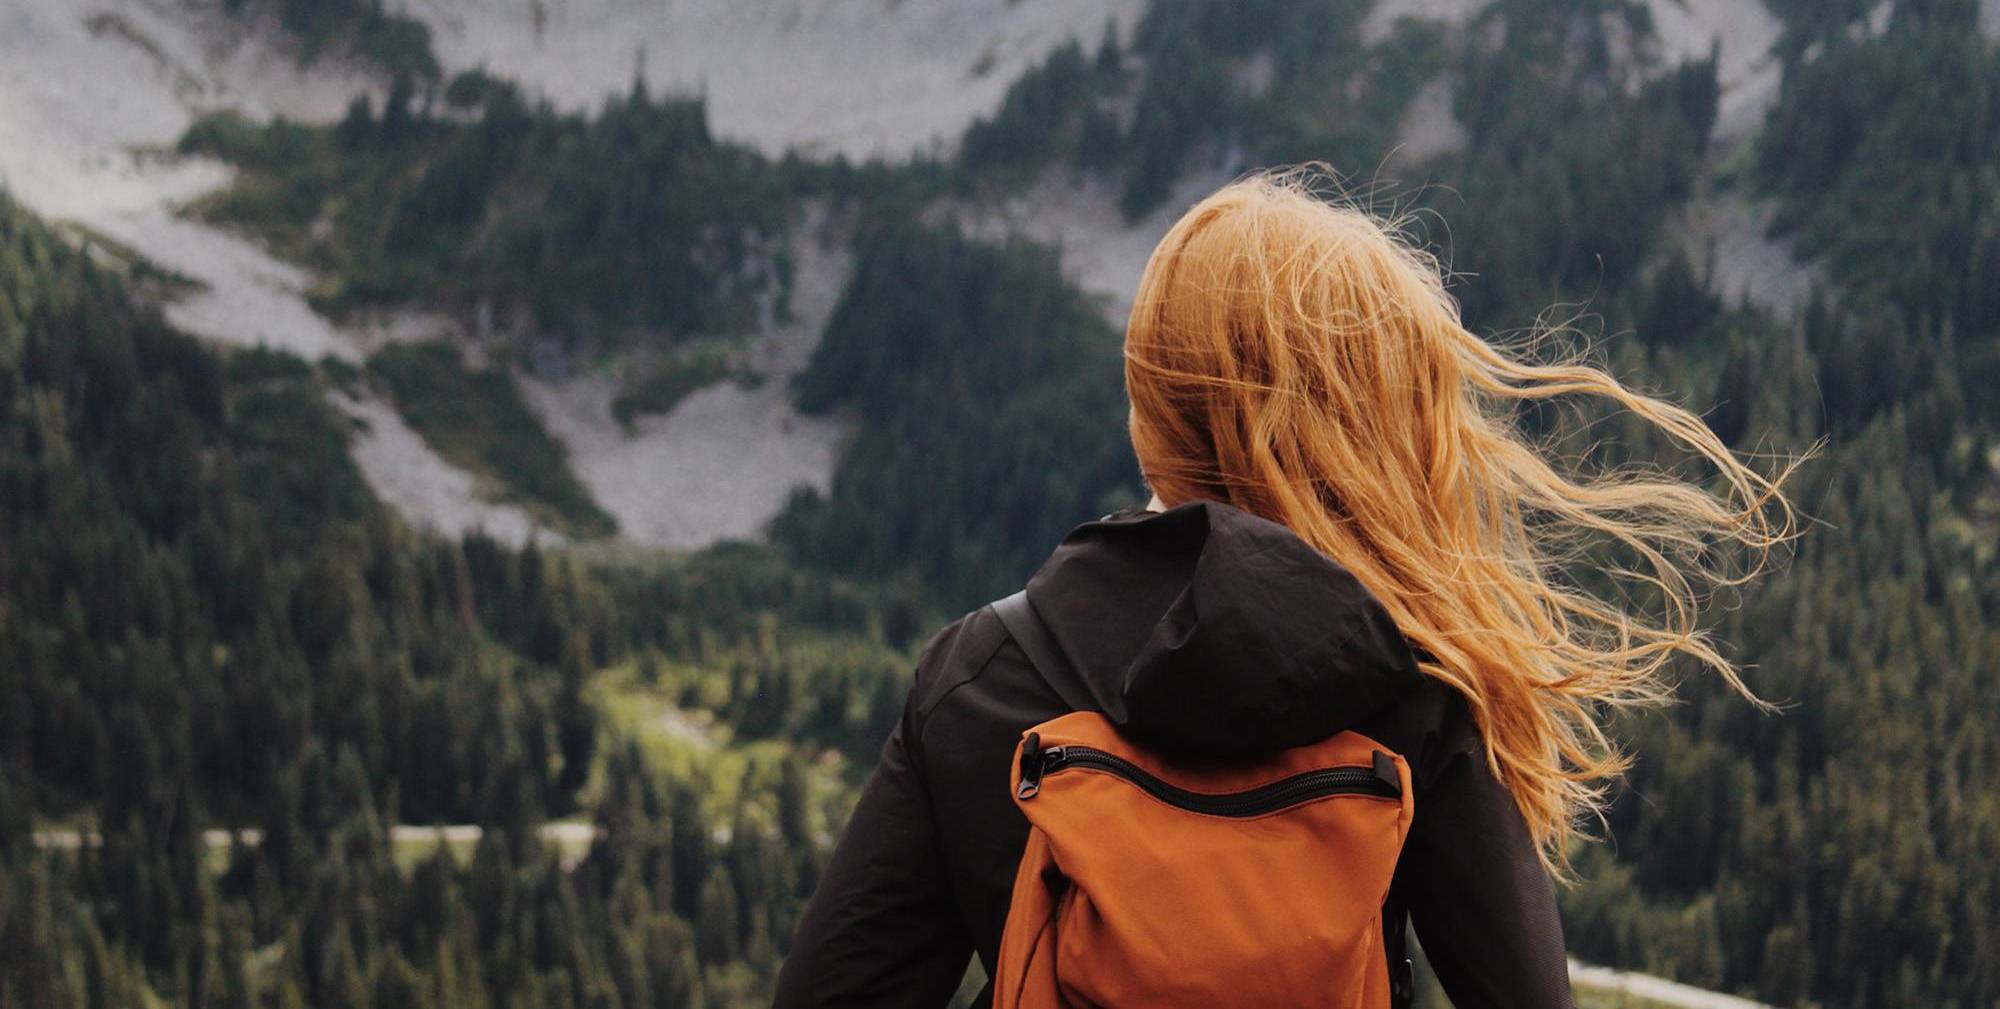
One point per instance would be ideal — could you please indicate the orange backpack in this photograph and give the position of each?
(1156, 882)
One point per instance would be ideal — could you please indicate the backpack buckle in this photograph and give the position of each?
(1402, 982)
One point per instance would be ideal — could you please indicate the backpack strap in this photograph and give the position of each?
(1025, 626)
(1396, 943)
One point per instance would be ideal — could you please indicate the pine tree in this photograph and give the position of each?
(718, 928)
(576, 722)
(690, 852)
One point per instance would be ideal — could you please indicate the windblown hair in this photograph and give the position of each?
(1302, 361)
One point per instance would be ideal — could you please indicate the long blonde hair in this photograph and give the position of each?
(1302, 361)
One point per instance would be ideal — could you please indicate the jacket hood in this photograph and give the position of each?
(1207, 630)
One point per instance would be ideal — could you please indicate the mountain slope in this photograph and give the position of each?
(874, 78)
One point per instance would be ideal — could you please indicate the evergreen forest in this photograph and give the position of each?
(241, 691)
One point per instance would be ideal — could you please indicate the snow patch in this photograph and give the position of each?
(97, 93)
(1989, 18)
(373, 330)
(1380, 23)
(723, 462)
(1742, 33)
(1732, 237)
(1256, 74)
(1684, 30)
(860, 77)
(1877, 23)
(409, 476)
(1429, 127)
(1101, 252)
(248, 297)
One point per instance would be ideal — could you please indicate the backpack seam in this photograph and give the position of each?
(1261, 816)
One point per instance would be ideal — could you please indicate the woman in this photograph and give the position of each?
(1328, 446)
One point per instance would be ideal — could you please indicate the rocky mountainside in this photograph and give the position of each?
(99, 92)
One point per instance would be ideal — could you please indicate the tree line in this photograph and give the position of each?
(209, 622)
(597, 231)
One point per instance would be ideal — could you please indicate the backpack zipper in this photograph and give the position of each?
(1381, 781)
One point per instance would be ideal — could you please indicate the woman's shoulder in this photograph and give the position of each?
(1430, 724)
(956, 655)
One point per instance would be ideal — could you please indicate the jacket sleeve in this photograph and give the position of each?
(1484, 908)
(881, 929)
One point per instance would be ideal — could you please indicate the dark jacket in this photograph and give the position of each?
(1201, 628)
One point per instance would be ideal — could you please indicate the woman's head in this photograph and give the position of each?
(1298, 360)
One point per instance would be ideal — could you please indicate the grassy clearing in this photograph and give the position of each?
(679, 737)
(675, 713)
(695, 368)
(478, 420)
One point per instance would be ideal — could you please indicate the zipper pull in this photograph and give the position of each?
(1385, 771)
(1034, 760)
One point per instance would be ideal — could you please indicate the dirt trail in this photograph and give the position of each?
(571, 838)
(1653, 989)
